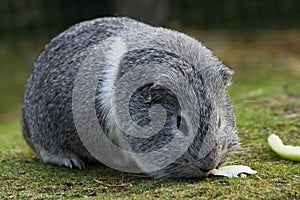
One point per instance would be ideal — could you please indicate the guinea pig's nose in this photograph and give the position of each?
(209, 162)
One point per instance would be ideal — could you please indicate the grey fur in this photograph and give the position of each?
(47, 119)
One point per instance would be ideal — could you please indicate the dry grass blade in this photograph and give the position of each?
(111, 185)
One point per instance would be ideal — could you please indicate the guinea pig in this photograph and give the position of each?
(154, 94)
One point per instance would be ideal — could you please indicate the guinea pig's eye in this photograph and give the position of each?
(219, 122)
(182, 125)
(178, 121)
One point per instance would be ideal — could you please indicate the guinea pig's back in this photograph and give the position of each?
(47, 118)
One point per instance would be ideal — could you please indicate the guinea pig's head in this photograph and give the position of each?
(201, 117)
(215, 135)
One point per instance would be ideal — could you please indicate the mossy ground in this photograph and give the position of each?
(266, 98)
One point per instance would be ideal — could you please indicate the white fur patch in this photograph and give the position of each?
(116, 48)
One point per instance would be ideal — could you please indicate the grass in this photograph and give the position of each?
(266, 97)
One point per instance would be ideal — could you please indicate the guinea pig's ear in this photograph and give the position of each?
(226, 75)
(157, 92)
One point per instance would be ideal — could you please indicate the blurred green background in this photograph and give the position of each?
(244, 34)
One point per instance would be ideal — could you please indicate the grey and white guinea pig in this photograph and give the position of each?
(48, 121)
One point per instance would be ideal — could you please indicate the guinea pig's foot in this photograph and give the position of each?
(76, 162)
(71, 161)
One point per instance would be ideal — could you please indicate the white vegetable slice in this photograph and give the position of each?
(285, 151)
(233, 171)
